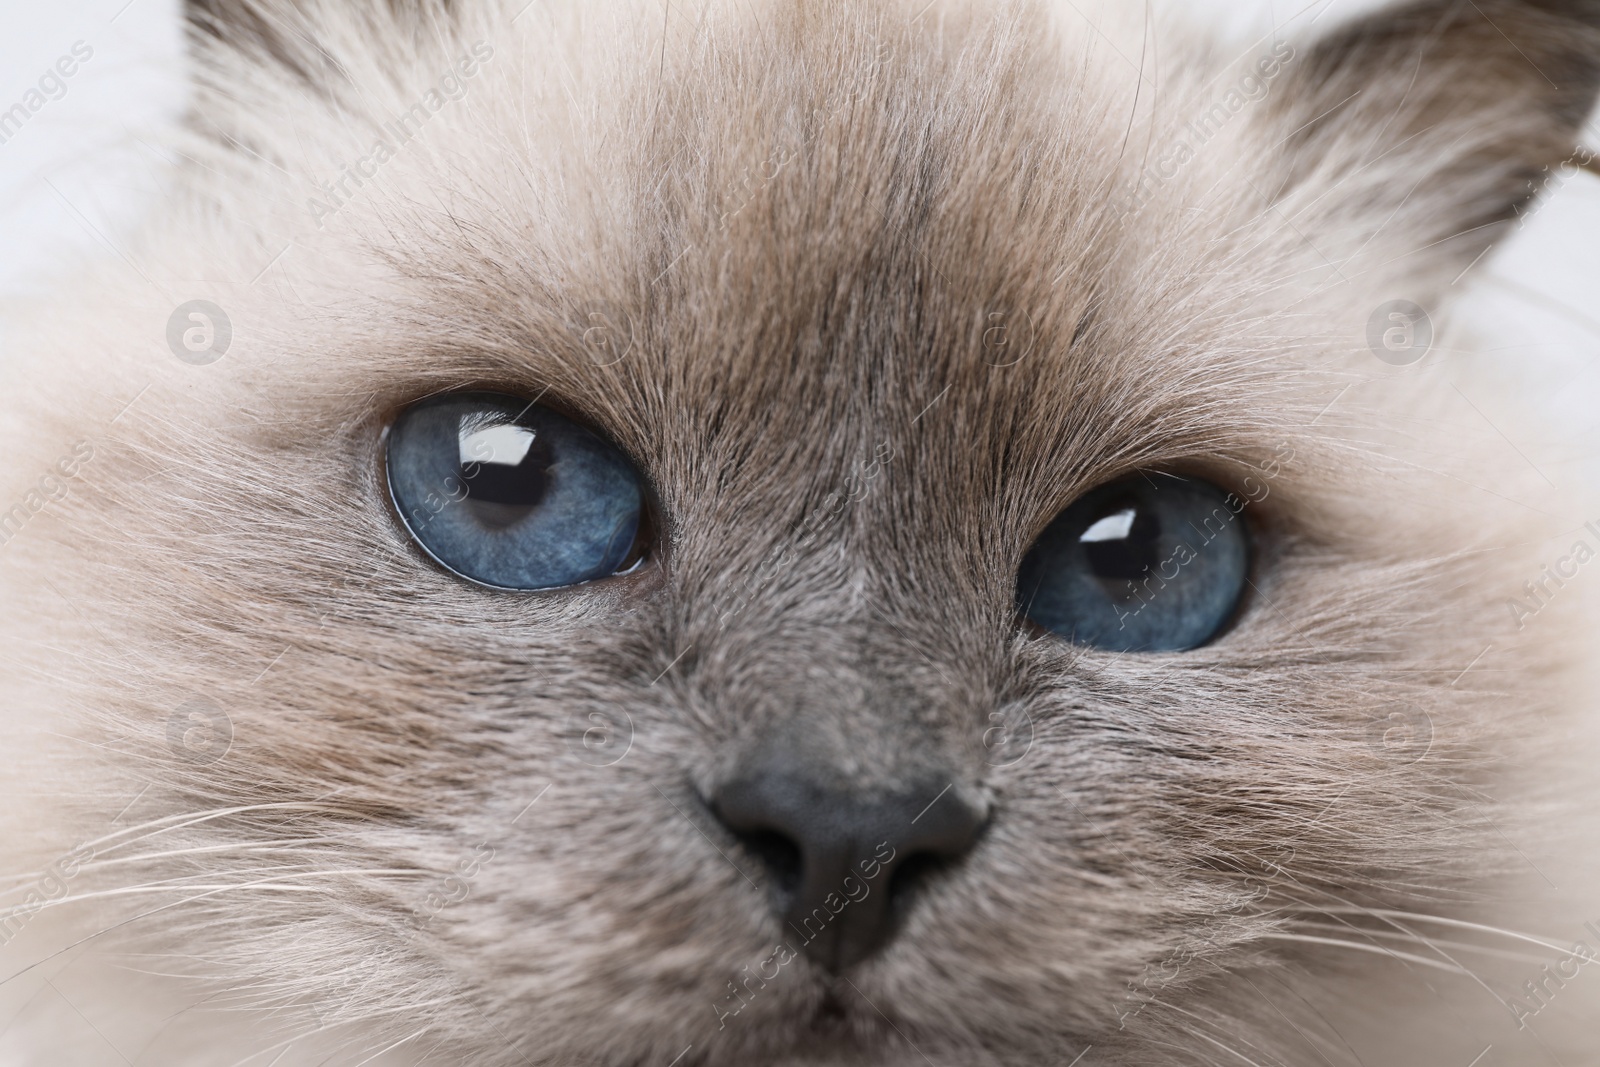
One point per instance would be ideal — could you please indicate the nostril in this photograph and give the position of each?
(909, 878)
(778, 855)
(844, 865)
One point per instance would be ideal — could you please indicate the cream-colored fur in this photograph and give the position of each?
(753, 243)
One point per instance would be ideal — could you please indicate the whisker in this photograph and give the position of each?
(1422, 939)
(284, 1045)
(1380, 950)
(1312, 1008)
(270, 883)
(284, 845)
(170, 822)
(410, 1037)
(1416, 916)
(155, 827)
(1524, 957)
(1203, 1036)
(106, 930)
(244, 847)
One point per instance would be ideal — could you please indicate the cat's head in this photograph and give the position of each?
(820, 315)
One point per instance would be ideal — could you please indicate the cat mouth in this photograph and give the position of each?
(843, 1028)
(833, 1022)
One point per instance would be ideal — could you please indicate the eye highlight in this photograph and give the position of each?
(511, 494)
(1144, 564)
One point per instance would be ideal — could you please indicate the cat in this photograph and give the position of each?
(333, 739)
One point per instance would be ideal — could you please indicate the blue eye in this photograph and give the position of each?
(511, 494)
(1139, 565)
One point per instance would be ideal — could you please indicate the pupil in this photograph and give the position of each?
(1121, 544)
(506, 472)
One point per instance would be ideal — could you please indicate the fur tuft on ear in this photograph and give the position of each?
(280, 38)
(1444, 116)
(262, 31)
(265, 23)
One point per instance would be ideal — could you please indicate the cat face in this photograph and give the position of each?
(784, 762)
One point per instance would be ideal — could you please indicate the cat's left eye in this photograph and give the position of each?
(1144, 564)
(512, 494)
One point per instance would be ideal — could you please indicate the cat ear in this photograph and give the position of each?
(283, 33)
(266, 25)
(269, 32)
(247, 52)
(1440, 120)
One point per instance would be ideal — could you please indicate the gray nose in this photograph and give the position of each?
(845, 864)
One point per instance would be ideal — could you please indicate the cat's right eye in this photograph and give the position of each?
(511, 494)
(1145, 564)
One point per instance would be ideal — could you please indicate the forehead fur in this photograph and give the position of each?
(691, 216)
